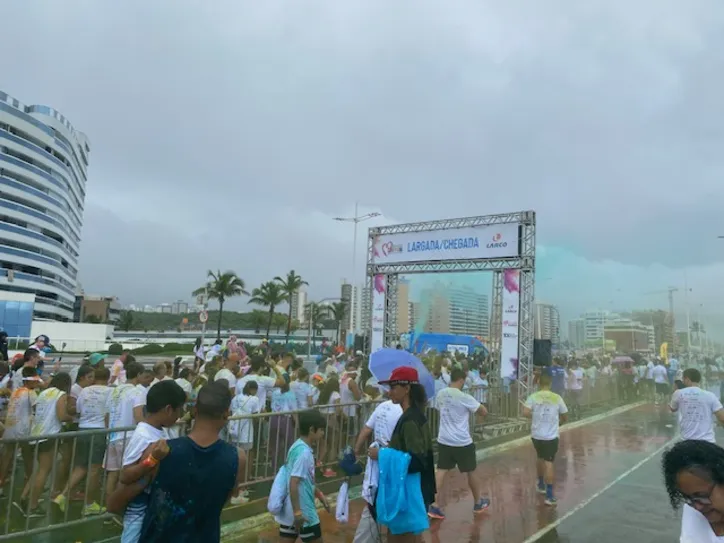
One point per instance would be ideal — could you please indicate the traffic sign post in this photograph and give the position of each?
(203, 316)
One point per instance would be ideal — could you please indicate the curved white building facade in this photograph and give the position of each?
(43, 173)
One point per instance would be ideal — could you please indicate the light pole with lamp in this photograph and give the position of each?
(356, 220)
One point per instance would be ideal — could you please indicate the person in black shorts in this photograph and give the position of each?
(547, 410)
(455, 445)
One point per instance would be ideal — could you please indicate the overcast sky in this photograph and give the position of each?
(228, 134)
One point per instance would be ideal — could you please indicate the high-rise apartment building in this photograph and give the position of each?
(403, 306)
(547, 323)
(594, 323)
(299, 302)
(43, 174)
(455, 310)
(179, 307)
(577, 333)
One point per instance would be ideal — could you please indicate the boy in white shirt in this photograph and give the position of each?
(547, 409)
(124, 408)
(146, 448)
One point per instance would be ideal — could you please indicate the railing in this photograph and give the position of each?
(271, 436)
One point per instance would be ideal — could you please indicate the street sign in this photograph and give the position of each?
(203, 316)
(200, 299)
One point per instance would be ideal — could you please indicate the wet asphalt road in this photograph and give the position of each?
(591, 457)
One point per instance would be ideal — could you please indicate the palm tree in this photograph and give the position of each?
(269, 294)
(315, 313)
(338, 312)
(290, 285)
(221, 287)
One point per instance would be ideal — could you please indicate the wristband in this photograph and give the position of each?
(149, 461)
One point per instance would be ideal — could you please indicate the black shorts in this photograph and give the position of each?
(308, 533)
(662, 388)
(85, 452)
(462, 457)
(546, 449)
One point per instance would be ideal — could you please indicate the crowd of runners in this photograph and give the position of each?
(140, 442)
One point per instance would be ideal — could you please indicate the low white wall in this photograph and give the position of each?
(78, 336)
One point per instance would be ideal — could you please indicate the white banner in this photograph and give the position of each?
(379, 293)
(464, 349)
(510, 332)
(468, 243)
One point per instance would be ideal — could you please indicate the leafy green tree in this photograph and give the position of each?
(290, 285)
(126, 321)
(221, 287)
(257, 319)
(269, 294)
(279, 321)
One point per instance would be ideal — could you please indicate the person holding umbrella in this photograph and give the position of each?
(411, 435)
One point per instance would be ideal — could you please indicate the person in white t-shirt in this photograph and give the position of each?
(146, 448)
(241, 431)
(649, 380)
(693, 476)
(91, 406)
(124, 409)
(379, 426)
(547, 409)
(185, 381)
(455, 445)
(51, 411)
(265, 383)
(575, 388)
(661, 381)
(229, 372)
(303, 391)
(697, 408)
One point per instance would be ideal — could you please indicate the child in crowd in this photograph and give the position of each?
(146, 448)
(304, 521)
(242, 430)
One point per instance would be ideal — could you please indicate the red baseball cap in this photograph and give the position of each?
(402, 376)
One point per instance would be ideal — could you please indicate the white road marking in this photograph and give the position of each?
(543, 531)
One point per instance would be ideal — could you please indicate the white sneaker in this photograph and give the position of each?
(239, 500)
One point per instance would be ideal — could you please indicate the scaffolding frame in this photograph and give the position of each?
(525, 262)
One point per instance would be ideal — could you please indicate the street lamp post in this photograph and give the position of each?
(356, 220)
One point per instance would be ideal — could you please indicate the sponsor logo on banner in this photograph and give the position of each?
(497, 242)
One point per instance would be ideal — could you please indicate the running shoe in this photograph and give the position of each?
(540, 489)
(238, 500)
(435, 513)
(481, 506)
(61, 501)
(329, 472)
(93, 509)
(551, 501)
(38, 512)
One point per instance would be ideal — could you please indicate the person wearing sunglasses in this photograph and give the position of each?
(694, 476)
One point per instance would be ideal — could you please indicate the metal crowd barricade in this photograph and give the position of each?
(273, 435)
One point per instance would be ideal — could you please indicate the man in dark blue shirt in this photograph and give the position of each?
(558, 377)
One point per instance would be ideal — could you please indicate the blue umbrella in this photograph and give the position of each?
(384, 361)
